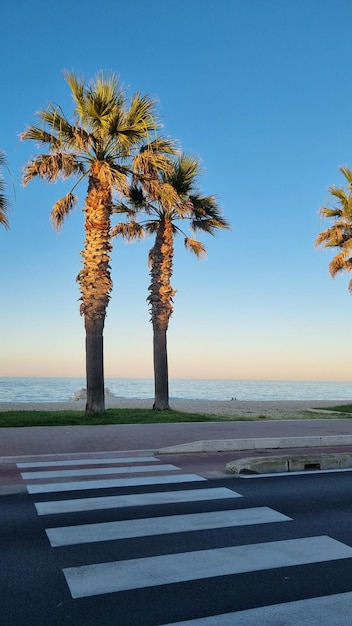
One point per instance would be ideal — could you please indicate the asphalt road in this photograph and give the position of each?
(247, 552)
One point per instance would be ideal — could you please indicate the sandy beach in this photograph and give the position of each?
(241, 408)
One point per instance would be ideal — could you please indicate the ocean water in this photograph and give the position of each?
(63, 389)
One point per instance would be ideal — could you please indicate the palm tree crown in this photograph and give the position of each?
(108, 141)
(339, 235)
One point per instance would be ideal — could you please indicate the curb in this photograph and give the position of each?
(264, 443)
(295, 463)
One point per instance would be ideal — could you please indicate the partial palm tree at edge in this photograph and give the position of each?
(339, 235)
(4, 200)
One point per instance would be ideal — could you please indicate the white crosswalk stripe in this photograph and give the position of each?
(99, 471)
(87, 533)
(139, 499)
(110, 483)
(90, 461)
(334, 610)
(128, 574)
(101, 578)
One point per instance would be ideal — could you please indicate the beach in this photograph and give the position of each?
(276, 409)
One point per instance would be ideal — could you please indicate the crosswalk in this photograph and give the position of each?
(143, 481)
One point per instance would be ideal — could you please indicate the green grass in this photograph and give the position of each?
(343, 408)
(9, 419)
(111, 416)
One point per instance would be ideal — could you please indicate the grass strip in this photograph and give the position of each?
(341, 408)
(10, 419)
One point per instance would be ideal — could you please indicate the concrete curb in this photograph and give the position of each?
(263, 443)
(293, 463)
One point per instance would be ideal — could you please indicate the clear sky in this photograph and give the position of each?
(261, 91)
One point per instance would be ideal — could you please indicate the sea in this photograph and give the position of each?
(63, 389)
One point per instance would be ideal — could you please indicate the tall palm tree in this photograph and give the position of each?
(169, 203)
(107, 140)
(339, 235)
(4, 201)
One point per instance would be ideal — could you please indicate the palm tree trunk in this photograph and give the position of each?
(95, 282)
(161, 374)
(160, 298)
(94, 366)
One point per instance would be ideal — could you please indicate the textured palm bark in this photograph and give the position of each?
(160, 298)
(95, 282)
(161, 374)
(94, 366)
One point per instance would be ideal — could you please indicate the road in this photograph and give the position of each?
(139, 542)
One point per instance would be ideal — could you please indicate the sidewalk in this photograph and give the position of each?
(322, 434)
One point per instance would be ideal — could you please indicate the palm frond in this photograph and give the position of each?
(336, 235)
(41, 136)
(140, 119)
(96, 101)
(4, 200)
(208, 225)
(137, 197)
(345, 170)
(323, 239)
(184, 174)
(163, 145)
(164, 195)
(76, 84)
(338, 192)
(119, 179)
(347, 245)
(151, 226)
(61, 210)
(120, 207)
(105, 92)
(55, 119)
(3, 212)
(326, 212)
(130, 231)
(149, 163)
(338, 264)
(116, 122)
(206, 214)
(51, 167)
(196, 247)
(97, 111)
(4, 205)
(57, 133)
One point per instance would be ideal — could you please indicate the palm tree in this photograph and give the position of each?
(339, 235)
(106, 141)
(4, 201)
(174, 200)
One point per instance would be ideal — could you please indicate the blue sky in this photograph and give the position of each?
(260, 90)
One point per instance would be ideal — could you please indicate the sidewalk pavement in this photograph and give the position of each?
(200, 437)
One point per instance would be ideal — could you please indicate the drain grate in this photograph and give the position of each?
(311, 466)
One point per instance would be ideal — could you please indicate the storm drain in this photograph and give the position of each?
(311, 466)
(307, 467)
